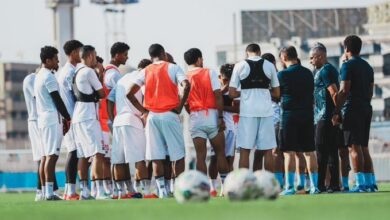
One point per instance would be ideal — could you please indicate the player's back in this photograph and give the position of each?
(29, 96)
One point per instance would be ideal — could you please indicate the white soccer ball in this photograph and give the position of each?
(268, 185)
(241, 185)
(192, 186)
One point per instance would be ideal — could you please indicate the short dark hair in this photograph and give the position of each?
(269, 57)
(227, 70)
(253, 48)
(353, 44)
(99, 59)
(118, 47)
(192, 55)
(290, 52)
(320, 47)
(170, 58)
(86, 50)
(155, 50)
(71, 46)
(144, 63)
(48, 52)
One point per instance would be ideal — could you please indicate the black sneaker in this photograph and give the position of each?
(53, 198)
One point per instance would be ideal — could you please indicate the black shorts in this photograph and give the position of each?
(356, 126)
(326, 135)
(297, 131)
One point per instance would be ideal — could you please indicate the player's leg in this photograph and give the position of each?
(312, 167)
(42, 176)
(50, 165)
(83, 167)
(258, 160)
(213, 175)
(289, 167)
(266, 141)
(322, 157)
(334, 170)
(218, 144)
(357, 161)
(369, 175)
(168, 174)
(246, 139)
(301, 170)
(71, 174)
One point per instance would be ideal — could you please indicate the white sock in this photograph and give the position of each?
(84, 188)
(107, 186)
(129, 186)
(100, 187)
(145, 185)
(172, 185)
(120, 186)
(66, 189)
(49, 189)
(223, 177)
(93, 187)
(213, 184)
(71, 189)
(168, 185)
(43, 190)
(137, 186)
(160, 181)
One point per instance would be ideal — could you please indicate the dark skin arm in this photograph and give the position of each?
(220, 108)
(110, 110)
(186, 91)
(341, 97)
(275, 94)
(233, 93)
(332, 89)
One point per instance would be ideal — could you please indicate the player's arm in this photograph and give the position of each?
(235, 82)
(96, 84)
(134, 88)
(220, 108)
(60, 106)
(275, 94)
(111, 105)
(186, 91)
(332, 89)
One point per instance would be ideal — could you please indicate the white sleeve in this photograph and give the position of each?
(94, 80)
(139, 79)
(235, 79)
(111, 96)
(51, 83)
(111, 77)
(179, 73)
(215, 84)
(274, 75)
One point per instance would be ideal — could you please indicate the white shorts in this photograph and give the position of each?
(230, 143)
(89, 138)
(51, 139)
(106, 142)
(128, 145)
(164, 132)
(256, 133)
(204, 124)
(35, 139)
(69, 141)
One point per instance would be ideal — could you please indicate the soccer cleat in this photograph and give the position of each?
(53, 198)
(358, 189)
(89, 197)
(288, 192)
(170, 195)
(150, 196)
(345, 190)
(314, 191)
(39, 197)
(135, 195)
(375, 187)
(299, 188)
(72, 197)
(214, 193)
(371, 188)
(102, 197)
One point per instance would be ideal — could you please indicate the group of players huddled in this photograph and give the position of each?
(296, 121)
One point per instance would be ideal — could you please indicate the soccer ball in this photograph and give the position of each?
(241, 184)
(192, 186)
(266, 182)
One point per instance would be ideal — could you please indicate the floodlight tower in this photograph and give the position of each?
(115, 20)
(62, 22)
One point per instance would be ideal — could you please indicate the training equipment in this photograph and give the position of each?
(192, 186)
(268, 185)
(241, 184)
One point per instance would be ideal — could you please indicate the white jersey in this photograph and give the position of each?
(46, 83)
(29, 97)
(87, 82)
(126, 113)
(111, 76)
(65, 80)
(254, 102)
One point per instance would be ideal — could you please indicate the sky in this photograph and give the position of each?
(178, 25)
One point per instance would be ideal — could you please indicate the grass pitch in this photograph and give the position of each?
(324, 206)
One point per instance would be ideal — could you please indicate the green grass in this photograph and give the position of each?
(325, 206)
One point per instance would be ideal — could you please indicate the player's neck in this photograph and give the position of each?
(115, 63)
